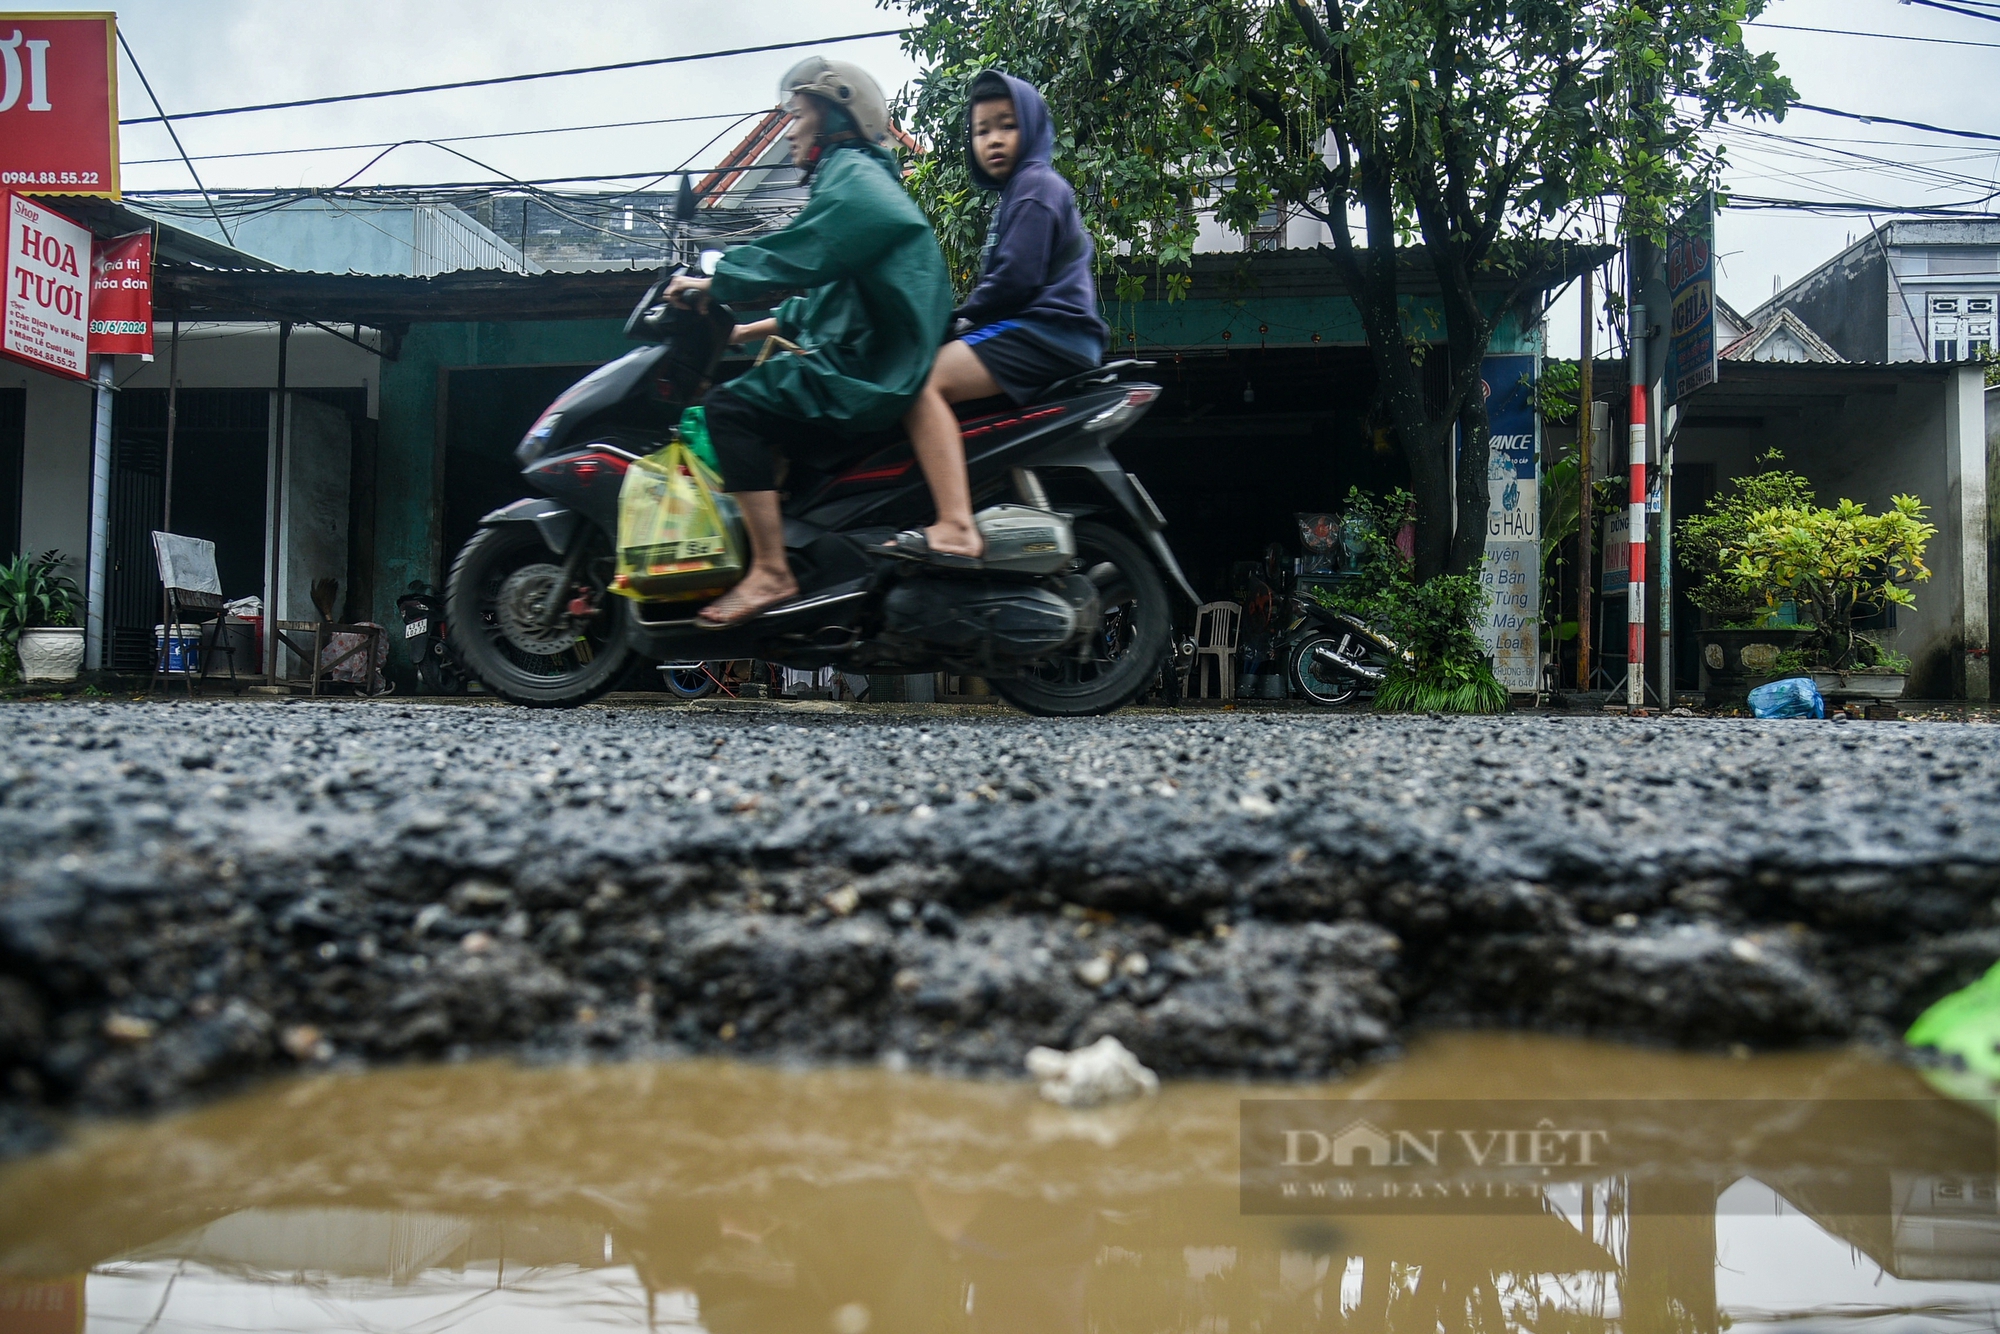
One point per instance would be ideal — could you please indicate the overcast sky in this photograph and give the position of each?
(210, 53)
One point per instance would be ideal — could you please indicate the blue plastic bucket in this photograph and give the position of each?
(183, 647)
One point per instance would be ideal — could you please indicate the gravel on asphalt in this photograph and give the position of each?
(194, 893)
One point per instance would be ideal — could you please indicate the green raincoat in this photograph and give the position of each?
(876, 304)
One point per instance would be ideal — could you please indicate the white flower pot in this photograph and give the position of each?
(51, 652)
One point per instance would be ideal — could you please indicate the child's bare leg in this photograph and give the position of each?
(941, 454)
(957, 376)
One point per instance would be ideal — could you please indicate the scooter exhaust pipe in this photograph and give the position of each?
(1328, 658)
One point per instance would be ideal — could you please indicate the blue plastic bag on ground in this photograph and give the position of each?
(1793, 697)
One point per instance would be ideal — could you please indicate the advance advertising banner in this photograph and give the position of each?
(1691, 350)
(59, 104)
(46, 318)
(121, 295)
(1511, 572)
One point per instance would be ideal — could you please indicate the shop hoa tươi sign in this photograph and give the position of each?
(59, 104)
(46, 320)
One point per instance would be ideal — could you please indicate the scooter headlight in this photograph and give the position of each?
(536, 442)
(545, 426)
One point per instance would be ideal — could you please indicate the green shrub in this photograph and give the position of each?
(1445, 668)
(1838, 564)
(1704, 541)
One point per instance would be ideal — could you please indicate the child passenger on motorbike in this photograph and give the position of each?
(1031, 320)
(876, 304)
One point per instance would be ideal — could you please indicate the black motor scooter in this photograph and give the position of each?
(439, 671)
(1332, 656)
(1069, 615)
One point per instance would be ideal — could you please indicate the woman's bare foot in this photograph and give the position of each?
(760, 590)
(956, 539)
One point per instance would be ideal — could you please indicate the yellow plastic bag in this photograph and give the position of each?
(679, 536)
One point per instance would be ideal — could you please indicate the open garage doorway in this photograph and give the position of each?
(1242, 441)
(487, 411)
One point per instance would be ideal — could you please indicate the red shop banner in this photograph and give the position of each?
(45, 313)
(59, 104)
(121, 294)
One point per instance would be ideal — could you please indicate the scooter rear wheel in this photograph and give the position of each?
(1125, 654)
(500, 586)
(1319, 684)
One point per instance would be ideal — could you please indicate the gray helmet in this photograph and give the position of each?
(847, 86)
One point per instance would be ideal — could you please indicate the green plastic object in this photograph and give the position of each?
(1965, 1024)
(694, 434)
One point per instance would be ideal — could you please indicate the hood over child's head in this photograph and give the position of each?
(1034, 136)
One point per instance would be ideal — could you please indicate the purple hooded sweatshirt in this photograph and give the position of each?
(1035, 267)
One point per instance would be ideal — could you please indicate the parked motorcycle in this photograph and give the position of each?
(439, 670)
(1333, 656)
(691, 680)
(1069, 616)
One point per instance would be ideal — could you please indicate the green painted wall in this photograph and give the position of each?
(1258, 320)
(409, 461)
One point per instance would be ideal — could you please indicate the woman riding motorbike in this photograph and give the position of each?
(860, 341)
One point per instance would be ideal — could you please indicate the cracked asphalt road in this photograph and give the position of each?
(197, 892)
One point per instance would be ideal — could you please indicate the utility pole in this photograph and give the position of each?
(97, 565)
(1586, 440)
(1635, 589)
(1641, 256)
(274, 574)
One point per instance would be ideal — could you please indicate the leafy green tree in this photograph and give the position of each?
(1489, 130)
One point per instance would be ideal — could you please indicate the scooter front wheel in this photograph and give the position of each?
(504, 585)
(1316, 681)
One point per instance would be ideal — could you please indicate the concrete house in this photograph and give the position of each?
(1923, 289)
(1862, 375)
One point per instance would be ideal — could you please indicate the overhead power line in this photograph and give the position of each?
(1885, 36)
(1753, 202)
(173, 134)
(1955, 9)
(308, 192)
(1891, 120)
(445, 139)
(519, 78)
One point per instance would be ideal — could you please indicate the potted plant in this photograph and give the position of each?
(1747, 628)
(1839, 565)
(38, 607)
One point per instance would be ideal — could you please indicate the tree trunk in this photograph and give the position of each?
(1427, 451)
(1468, 541)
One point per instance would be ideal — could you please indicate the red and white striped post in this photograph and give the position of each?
(1635, 588)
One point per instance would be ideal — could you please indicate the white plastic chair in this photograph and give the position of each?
(1216, 626)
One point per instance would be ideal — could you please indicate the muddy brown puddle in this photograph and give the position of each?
(1809, 1191)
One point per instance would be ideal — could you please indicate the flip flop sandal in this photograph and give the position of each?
(913, 545)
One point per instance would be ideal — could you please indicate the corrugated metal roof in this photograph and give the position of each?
(177, 244)
(321, 234)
